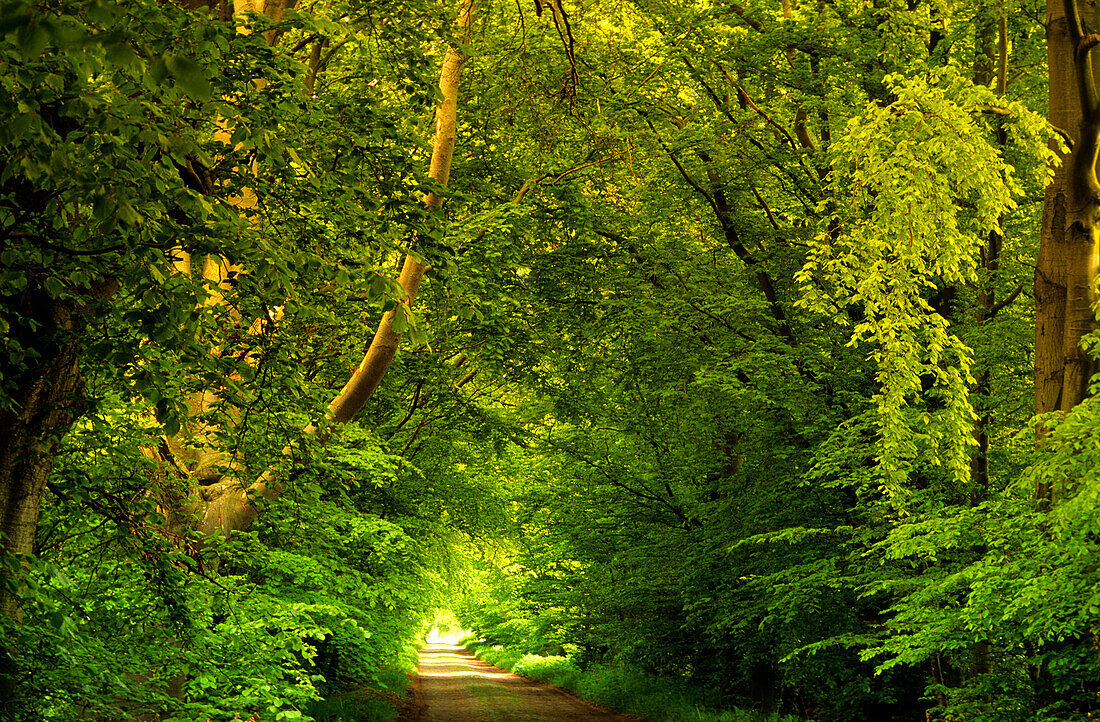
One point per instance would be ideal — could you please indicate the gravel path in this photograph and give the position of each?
(454, 686)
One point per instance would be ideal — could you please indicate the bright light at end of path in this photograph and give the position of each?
(437, 637)
(446, 629)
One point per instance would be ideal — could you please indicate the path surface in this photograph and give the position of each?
(454, 686)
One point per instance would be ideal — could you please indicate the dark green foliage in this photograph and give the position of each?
(111, 172)
(695, 418)
(324, 600)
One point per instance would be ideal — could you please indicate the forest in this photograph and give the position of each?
(745, 348)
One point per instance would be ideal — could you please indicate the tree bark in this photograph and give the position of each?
(1067, 261)
(234, 509)
(49, 397)
(50, 401)
(363, 383)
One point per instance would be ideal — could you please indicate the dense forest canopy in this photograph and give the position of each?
(748, 345)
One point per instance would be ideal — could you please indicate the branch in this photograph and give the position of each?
(1082, 43)
(749, 20)
(1001, 304)
(422, 402)
(70, 251)
(304, 42)
(586, 165)
(412, 409)
(647, 494)
(1002, 52)
(332, 51)
(771, 121)
(566, 35)
(767, 210)
(722, 107)
(672, 156)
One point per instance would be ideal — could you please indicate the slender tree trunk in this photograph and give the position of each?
(363, 383)
(235, 510)
(990, 64)
(1067, 262)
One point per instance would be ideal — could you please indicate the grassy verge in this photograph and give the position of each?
(651, 698)
(364, 704)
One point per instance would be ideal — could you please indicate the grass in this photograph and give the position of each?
(651, 698)
(364, 704)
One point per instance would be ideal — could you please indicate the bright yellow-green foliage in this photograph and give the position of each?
(916, 187)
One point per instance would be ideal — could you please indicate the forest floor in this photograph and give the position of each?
(454, 686)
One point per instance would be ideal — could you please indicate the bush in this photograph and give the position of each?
(625, 689)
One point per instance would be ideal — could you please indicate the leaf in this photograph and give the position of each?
(158, 70)
(400, 323)
(298, 160)
(166, 415)
(127, 214)
(32, 39)
(189, 75)
(54, 287)
(120, 54)
(172, 425)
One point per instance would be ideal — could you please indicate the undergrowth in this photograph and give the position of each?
(653, 699)
(366, 703)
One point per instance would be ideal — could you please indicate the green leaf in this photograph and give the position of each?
(189, 75)
(400, 323)
(120, 54)
(127, 214)
(33, 39)
(54, 286)
(158, 70)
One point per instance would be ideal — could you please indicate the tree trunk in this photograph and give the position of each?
(363, 383)
(49, 402)
(990, 63)
(234, 509)
(1067, 261)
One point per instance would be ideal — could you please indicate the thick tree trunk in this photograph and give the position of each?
(1066, 267)
(48, 399)
(49, 402)
(1067, 262)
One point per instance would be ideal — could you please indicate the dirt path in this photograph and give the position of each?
(454, 686)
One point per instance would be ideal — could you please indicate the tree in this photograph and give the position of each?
(717, 375)
(46, 391)
(1066, 266)
(234, 507)
(151, 126)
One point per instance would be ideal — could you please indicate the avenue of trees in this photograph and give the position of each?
(746, 344)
